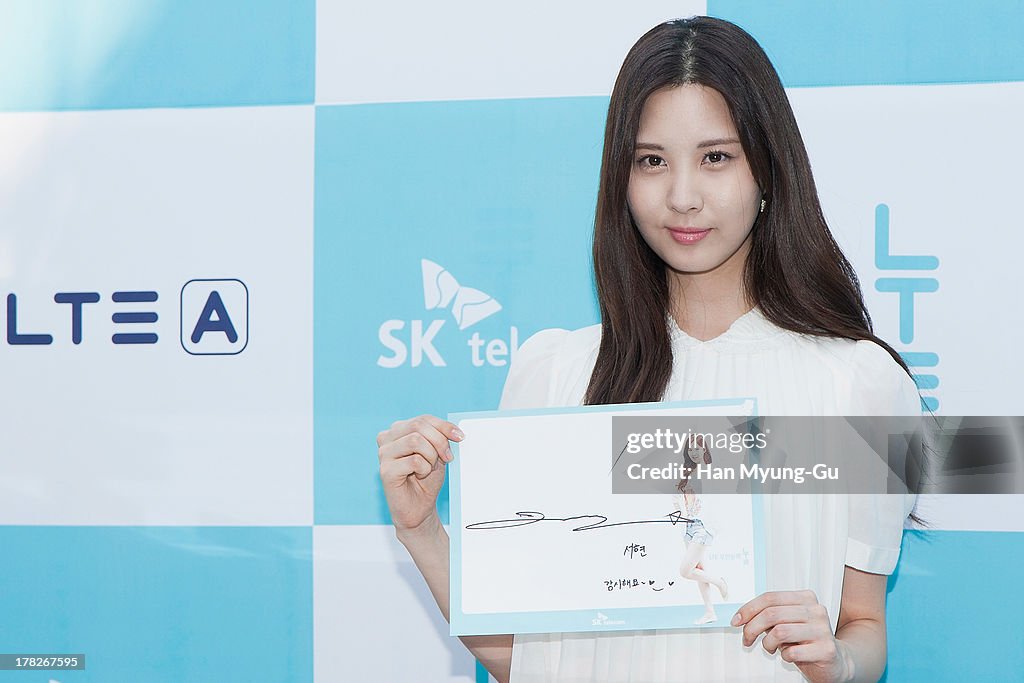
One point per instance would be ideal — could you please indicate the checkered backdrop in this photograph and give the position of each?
(215, 221)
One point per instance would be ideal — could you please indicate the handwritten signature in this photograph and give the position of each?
(525, 518)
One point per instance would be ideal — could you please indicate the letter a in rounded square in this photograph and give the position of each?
(214, 317)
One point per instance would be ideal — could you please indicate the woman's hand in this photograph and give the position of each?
(798, 627)
(412, 456)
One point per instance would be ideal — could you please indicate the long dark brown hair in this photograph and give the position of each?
(795, 271)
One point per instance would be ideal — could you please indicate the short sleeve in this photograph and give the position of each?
(532, 372)
(881, 387)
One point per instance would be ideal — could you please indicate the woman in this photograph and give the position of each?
(698, 536)
(716, 277)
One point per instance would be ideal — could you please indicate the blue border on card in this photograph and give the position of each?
(619, 619)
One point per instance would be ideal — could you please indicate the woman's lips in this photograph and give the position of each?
(688, 235)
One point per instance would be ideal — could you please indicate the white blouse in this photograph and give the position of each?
(813, 536)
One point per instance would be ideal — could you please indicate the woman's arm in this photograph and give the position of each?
(412, 455)
(861, 631)
(428, 547)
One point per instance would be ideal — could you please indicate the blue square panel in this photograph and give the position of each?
(951, 607)
(446, 233)
(876, 42)
(126, 54)
(160, 603)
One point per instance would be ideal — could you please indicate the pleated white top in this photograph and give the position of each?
(809, 537)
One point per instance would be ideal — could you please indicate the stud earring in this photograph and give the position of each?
(763, 204)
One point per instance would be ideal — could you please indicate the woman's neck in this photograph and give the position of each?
(704, 305)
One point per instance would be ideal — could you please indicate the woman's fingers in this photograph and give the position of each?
(416, 446)
(772, 599)
(394, 472)
(426, 424)
(796, 626)
(410, 444)
(429, 443)
(784, 634)
(820, 651)
(778, 607)
(771, 617)
(436, 431)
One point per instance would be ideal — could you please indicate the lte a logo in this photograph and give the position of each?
(214, 318)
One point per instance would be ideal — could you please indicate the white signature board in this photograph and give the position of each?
(540, 543)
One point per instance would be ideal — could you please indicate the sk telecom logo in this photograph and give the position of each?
(214, 318)
(466, 306)
(603, 620)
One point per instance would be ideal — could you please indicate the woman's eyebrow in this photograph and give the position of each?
(715, 142)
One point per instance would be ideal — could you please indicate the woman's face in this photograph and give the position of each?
(691, 192)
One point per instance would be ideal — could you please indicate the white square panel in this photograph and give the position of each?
(138, 203)
(405, 51)
(943, 159)
(363, 580)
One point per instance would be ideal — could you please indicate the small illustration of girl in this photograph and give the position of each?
(698, 536)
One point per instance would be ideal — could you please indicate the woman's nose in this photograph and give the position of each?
(684, 195)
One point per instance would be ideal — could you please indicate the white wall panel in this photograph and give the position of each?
(98, 433)
(944, 159)
(374, 618)
(403, 51)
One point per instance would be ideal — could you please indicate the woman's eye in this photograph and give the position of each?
(716, 157)
(651, 160)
